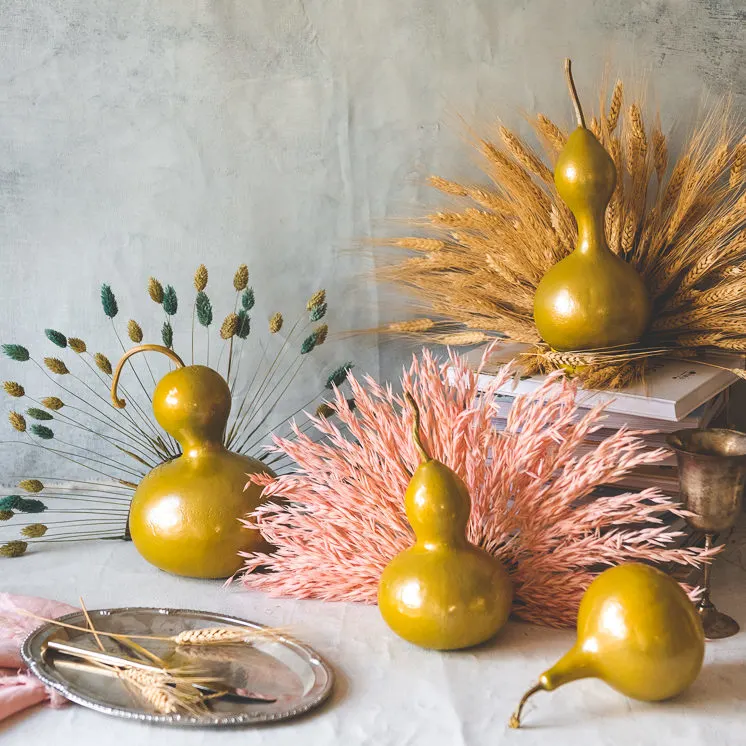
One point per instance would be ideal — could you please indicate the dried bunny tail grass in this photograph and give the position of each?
(320, 334)
(241, 278)
(77, 345)
(411, 327)
(52, 402)
(34, 530)
(33, 486)
(200, 278)
(155, 290)
(275, 322)
(134, 331)
(14, 389)
(230, 326)
(13, 549)
(615, 106)
(102, 363)
(55, 365)
(316, 299)
(525, 156)
(17, 421)
(223, 635)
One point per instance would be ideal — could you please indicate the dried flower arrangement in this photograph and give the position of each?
(682, 228)
(129, 442)
(339, 518)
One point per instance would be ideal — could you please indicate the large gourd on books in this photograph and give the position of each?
(184, 516)
(591, 299)
(443, 592)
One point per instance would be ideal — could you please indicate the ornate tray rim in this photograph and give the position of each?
(322, 687)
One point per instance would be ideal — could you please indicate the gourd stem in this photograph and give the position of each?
(424, 455)
(515, 718)
(574, 94)
(120, 403)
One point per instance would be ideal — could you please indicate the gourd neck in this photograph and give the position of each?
(575, 664)
(195, 446)
(451, 540)
(591, 233)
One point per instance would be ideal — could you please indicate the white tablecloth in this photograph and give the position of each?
(389, 693)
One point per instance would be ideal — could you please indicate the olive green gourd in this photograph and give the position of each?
(637, 631)
(443, 592)
(591, 299)
(184, 515)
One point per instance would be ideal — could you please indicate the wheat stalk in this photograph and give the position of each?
(525, 156)
(411, 327)
(615, 107)
(550, 132)
(463, 339)
(223, 635)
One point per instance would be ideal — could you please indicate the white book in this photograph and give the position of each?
(610, 421)
(672, 388)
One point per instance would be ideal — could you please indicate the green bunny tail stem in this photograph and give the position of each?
(16, 352)
(339, 376)
(170, 302)
(55, 337)
(108, 301)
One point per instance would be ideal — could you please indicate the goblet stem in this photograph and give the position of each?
(716, 624)
(704, 602)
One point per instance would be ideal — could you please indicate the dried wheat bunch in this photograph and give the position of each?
(680, 224)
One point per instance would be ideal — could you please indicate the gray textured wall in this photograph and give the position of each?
(142, 137)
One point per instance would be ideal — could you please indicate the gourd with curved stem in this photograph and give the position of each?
(591, 299)
(637, 631)
(443, 592)
(184, 516)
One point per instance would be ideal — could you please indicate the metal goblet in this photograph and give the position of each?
(712, 474)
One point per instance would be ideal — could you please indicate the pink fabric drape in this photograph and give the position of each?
(19, 689)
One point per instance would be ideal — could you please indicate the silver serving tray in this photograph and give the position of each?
(280, 667)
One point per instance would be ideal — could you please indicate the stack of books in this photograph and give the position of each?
(675, 394)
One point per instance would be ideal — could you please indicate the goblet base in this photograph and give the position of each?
(717, 625)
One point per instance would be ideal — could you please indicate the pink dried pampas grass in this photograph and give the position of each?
(340, 518)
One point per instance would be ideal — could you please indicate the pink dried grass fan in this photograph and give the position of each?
(339, 518)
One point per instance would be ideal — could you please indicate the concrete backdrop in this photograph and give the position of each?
(144, 137)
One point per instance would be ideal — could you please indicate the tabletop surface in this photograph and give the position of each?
(389, 693)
